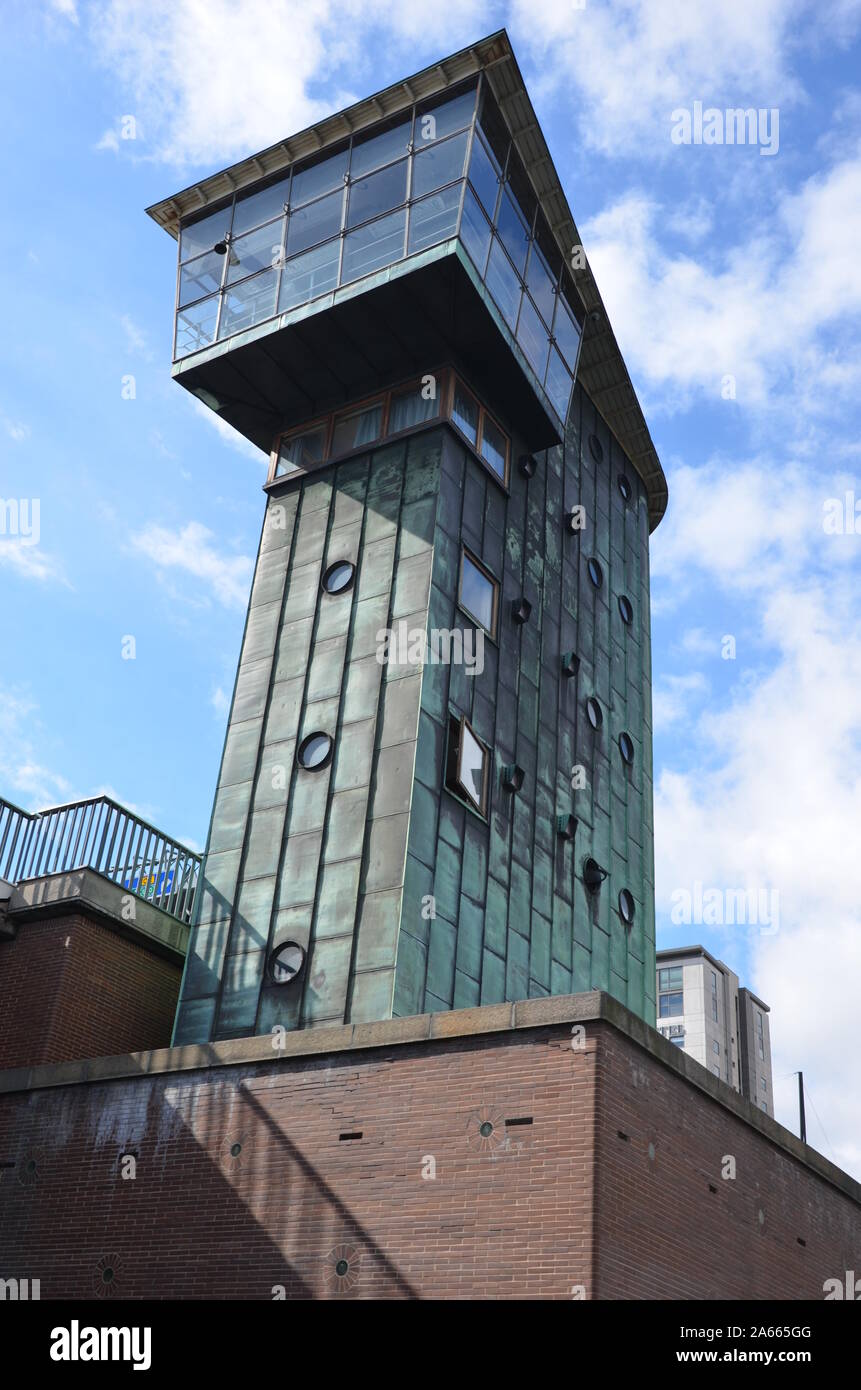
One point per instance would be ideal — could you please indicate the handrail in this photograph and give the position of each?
(98, 833)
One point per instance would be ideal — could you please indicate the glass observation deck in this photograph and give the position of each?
(445, 169)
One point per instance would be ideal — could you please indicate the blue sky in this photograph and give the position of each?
(733, 281)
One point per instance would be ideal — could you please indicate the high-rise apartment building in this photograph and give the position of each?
(703, 1010)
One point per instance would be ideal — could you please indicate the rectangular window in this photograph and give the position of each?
(672, 1004)
(434, 219)
(716, 1047)
(670, 977)
(464, 413)
(357, 427)
(374, 245)
(314, 223)
(301, 451)
(475, 231)
(411, 407)
(248, 303)
(479, 593)
(759, 1037)
(716, 1071)
(762, 1084)
(468, 764)
(494, 446)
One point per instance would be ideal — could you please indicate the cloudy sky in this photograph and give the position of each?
(732, 276)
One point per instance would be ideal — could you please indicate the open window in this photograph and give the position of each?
(468, 765)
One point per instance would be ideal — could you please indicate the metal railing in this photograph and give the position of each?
(99, 834)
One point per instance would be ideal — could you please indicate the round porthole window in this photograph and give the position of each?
(339, 577)
(596, 448)
(285, 962)
(596, 574)
(593, 712)
(626, 609)
(626, 747)
(315, 752)
(626, 906)
(625, 487)
(342, 1269)
(485, 1129)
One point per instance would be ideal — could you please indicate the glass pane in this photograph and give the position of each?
(477, 593)
(566, 332)
(464, 412)
(512, 229)
(475, 231)
(558, 384)
(532, 337)
(306, 277)
(316, 222)
(320, 178)
(542, 285)
(434, 218)
(369, 197)
(471, 766)
(302, 450)
(493, 444)
(360, 427)
(484, 175)
(255, 208)
(377, 243)
(503, 283)
(202, 236)
(439, 165)
(200, 276)
(248, 303)
(381, 149)
(411, 407)
(195, 327)
(435, 122)
(494, 128)
(255, 251)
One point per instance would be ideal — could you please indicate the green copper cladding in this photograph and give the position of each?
(403, 898)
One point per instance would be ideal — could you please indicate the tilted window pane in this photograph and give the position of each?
(541, 284)
(201, 236)
(302, 450)
(493, 446)
(409, 408)
(200, 276)
(260, 207)
(558, 384)
(439, 165)
(512, 229)
(381, 149)
(316, 222)
(484, 176)
(464, 412)
(475, 231)
(358, 428)
(434, 218)
(309, 275)
(503, 283)
(195, 327)
(248, 303)
(471, 767)
(532, 337)
(376, 244)
(477, 593)
(254, 252)
(379, 193)
(566, 332)
(317, 179)
(436, 121)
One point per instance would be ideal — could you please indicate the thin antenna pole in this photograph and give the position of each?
(801, 1120)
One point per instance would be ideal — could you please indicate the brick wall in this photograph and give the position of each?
(245, 1179)
(71, 987)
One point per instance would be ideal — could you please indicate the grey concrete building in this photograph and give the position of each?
(436, 787)
(703, 1010)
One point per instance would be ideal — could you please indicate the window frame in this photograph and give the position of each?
(454, 763)
(466, 553)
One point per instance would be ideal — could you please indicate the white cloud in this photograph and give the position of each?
(30, 561)
(25, 779)
(136, 339)
(772, 796)
(213, 80)
(766, 312)
(673, 696)
(192, 551)
(220, 701)
(67, 9)
(16, 430)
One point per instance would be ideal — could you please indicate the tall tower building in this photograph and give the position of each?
(436, 786)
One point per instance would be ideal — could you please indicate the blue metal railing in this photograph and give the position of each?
(99, 834)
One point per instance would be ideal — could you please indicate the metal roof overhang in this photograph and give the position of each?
(602, 371)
